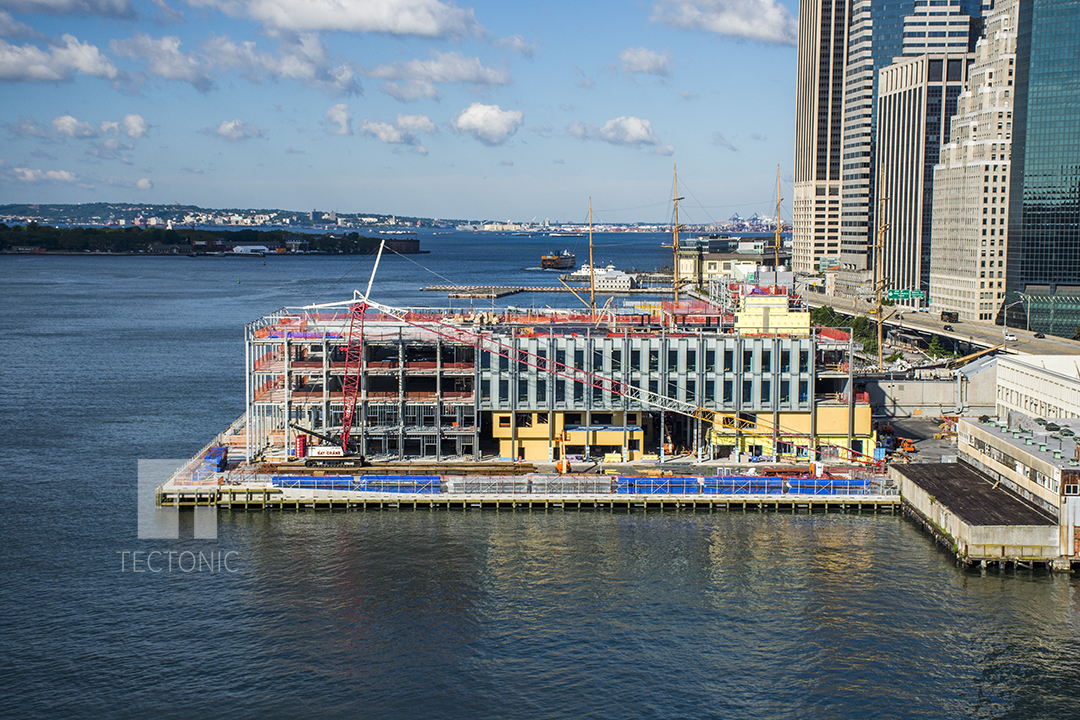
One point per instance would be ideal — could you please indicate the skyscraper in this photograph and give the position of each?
(858, 38)
(917, 95)
(1043, 271)
(822, 58)
(971, 191)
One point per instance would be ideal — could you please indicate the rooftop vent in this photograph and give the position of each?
(1027, 441)
(1042, 447)
(1066, 432)
(1040, 421)
(1052, 427)
(1057, 454)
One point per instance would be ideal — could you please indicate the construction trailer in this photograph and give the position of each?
(543, 385)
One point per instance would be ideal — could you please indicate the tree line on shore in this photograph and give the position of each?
(138, 239)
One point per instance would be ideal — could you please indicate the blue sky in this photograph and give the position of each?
(480, 110)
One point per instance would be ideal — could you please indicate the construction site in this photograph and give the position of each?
(680, 404)
(360, 403)
(362, 380)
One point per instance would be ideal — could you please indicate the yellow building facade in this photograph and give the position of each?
(528, 435)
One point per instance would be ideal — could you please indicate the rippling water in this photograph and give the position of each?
(438, 614)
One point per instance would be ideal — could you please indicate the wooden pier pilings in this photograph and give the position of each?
(238, 498)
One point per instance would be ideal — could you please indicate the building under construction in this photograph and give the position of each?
(549, 385)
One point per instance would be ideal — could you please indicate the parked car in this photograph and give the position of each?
(947, 328)
(1009, 336)
(1039, 336)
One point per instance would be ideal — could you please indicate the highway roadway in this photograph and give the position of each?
(977, 334)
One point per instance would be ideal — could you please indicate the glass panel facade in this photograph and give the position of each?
(1044, 220)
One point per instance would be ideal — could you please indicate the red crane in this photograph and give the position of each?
(354, 353)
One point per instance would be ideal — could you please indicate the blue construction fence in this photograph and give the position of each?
(216, 460)
(743, 485)
(584, 484)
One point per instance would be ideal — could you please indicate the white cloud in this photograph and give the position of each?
(766, 21)
(507, 163)
(625, 130)
(73, 128)
(721, 141)
(28, 127)
(650, 62)
(134, 126)
(420, 76)
(144, 184)
(28, 63)
(167, 14)
(67, 126)
(84, 59)
(164, 59)
(405, 130)
(341, 116)
(423, 18)
(665, 150)
(108, 8)
(110, 149)
(30, 175)
(489, 124)
(236, 130)
(299, 57)
(12, 28)
(518, 45)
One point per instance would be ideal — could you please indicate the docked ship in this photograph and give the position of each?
(560, 261)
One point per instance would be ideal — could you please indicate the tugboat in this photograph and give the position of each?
(561, 261)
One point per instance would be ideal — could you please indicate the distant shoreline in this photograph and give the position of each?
(76, 253)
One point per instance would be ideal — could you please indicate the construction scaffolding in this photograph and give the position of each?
(538, 385)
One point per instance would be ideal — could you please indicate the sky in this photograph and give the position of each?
(489, 110)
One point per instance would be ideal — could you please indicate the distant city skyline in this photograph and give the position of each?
(419, 108)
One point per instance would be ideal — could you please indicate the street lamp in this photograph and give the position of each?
(1005, 320)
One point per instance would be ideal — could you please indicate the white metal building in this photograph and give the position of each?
(1046, 386)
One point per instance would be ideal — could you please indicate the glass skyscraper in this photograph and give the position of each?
(1044, 203)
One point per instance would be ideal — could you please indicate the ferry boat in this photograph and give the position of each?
(584, 273)
(561, 261)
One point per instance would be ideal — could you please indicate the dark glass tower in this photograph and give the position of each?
(1044, 208)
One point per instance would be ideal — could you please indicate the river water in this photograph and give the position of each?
(108, 360)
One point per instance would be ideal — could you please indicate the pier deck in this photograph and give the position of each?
(976, 518)
(257, 498)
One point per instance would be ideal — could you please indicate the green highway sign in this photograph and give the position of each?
(905, 294)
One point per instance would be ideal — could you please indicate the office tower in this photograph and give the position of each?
(823, 28)
(971, 190)
(876, 37)
(917, 95)
(1043, 251)
(842, 48)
